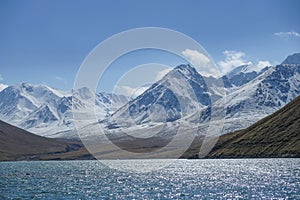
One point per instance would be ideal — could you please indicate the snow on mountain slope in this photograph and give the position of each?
(243, 74)
(245, 103)
(256, 99)
(163, 109)
(18, 101)
(48, 112)
(238, 70)
(179, 93)
(182, 96)
(272, 89)
(262, 96)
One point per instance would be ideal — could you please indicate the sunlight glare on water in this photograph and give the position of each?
(184, 179)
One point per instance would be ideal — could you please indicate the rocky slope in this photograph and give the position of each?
(18, 144)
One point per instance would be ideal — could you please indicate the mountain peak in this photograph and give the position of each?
(184, 67)
(183, 70)
(179, 93)
(238, 70)
(293, 59)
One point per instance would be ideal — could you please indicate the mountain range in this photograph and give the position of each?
(48, 112)
(183, 96)
(276, 135)
(183, 100)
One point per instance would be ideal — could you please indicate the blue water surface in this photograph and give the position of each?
(183, 179)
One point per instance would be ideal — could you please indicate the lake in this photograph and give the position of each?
(183, 179)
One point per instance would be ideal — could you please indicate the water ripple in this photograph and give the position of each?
(184, 179)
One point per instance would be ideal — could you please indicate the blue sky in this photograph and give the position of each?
(46, 41)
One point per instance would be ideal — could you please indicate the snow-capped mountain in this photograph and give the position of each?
(48, 112)
(243, 74)
(244, 105)
(240, 69)
(179, 93)
(181, 96)
(18, 101)
(260, 94)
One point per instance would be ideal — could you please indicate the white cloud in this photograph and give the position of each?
(201, 62)
(2, 87)
(139, 79)
(263, 63)
(287, 34)
(162, 73)
(259, 66)
(130, 91)
(232, 60)
(235, 59)
(60, 79)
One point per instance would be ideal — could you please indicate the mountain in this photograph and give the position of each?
(277, 135)
(182, 103)
(292, 60)
(238, 70)
(176, 95)
(183, 94)
(152, 119)
(18, 144)
(243, 74)
(262, 96)
(48, 112)
(155, 117)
